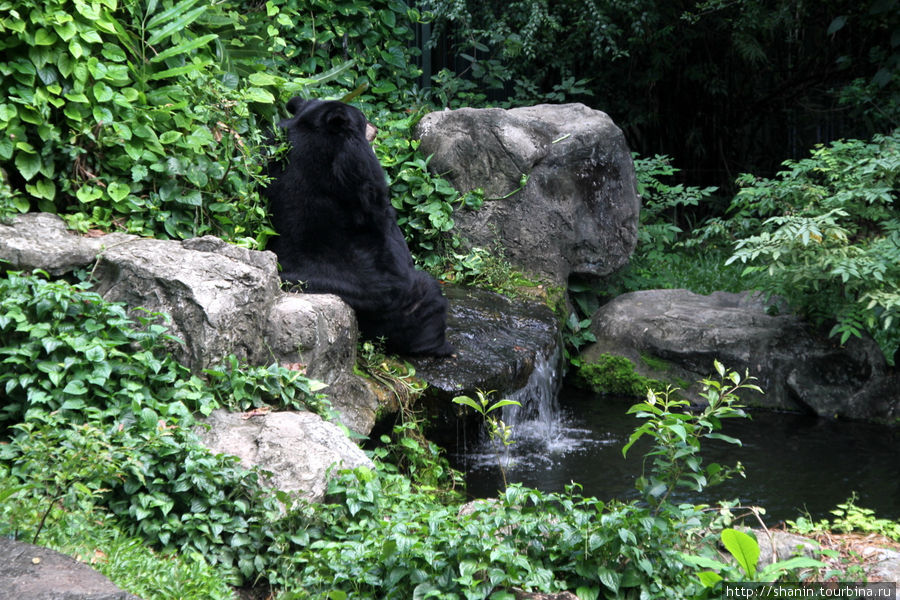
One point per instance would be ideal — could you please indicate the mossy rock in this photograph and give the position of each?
(611, 374)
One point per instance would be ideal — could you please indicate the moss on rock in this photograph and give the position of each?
(611, 374)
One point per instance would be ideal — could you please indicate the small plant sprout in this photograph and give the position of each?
(499, 432)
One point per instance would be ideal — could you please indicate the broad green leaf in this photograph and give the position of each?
(88, 193)
(261, 78)
(102, 92)
(587, 593)
(611, 579)
(743, 548)
(169, 136)
(466, 401)
(169, 13)
(28, 165)
(255, 94)
(44, 188)
(502, 403)
(113, 52)
(43, 37)
(176, 71)
(75, 388)
(709, 578)
(724, 438)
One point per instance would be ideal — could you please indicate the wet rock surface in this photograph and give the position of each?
(498, 342)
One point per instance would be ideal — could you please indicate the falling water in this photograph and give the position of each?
(537, 416)
(541, 433)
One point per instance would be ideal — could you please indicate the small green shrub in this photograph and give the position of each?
(424, 202)
(499, 432)
(676, 433)
(848, 517)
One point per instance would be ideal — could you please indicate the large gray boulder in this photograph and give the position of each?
(297, 448)
(797, 367)
(222, 300)
(30, 572)
(578, 212)
(218, 295)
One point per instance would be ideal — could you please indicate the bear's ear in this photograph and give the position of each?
(337, 119)
(294, 104)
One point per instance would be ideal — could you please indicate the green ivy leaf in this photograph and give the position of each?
(118, 191)
(28, 165)
(102, 92)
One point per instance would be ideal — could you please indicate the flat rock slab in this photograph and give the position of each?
(30, 572)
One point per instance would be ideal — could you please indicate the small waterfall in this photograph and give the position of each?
(537, 419)
(542, 433)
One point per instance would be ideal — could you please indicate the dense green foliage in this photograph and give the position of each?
(826, 234)
(124, 115)
(848, 518)
(98, 411)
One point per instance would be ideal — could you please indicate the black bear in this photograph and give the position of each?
(338, 233)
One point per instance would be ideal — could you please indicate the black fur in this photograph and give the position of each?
(338, 232)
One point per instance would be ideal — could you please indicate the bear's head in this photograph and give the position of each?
(326, 117)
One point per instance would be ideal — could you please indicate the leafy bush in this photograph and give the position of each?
(664, 206)
(135, 116)
(424, 202)
(676, 433)
(848, 518)
(378, 540)
(98, 412)
(826, 233)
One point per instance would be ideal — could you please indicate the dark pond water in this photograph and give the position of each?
(794, 464)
